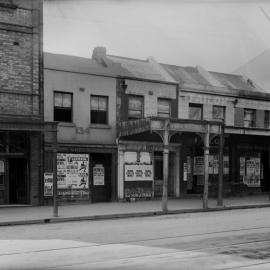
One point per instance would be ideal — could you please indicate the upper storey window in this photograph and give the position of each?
(135, 107)
(62, 107)
(267, 119)
(164, 108)
(218, 112)
(249, 117)
(195, 111)
(99, 109)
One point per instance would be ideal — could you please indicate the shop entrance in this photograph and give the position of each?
(101, 177)
(18, 181)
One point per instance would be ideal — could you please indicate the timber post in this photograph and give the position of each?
(221, 167)
(206, 167)
(165, 166)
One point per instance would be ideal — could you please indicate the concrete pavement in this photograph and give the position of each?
(72, 212)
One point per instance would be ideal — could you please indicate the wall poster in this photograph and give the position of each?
(138, 172)
(73, 175)
(98, 175)
(198, 166)
(252, 178)
(48, 184)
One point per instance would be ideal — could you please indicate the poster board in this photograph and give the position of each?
(198, 166)
(98, 175)
(73, 175)
(252, 178)
(138, 172)
(48, 184)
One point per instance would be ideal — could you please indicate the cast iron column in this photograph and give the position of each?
(206, 167)
(221, 165)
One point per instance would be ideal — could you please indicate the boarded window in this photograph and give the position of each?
(99, 109)
(195, 111)
(218, 112)
(267, 119)
(249, 118)
(62, 107)
(135, 107)
(164, 108)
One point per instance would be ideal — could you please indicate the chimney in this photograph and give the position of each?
(99, 54)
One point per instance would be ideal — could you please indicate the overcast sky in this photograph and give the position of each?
(219, 35)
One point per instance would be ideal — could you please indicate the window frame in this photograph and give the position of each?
(170, 107)
(267, 119)
(253, 120)
(63, 108)
(107, 109)
(141, 98)
(224, 112)
(197, 105)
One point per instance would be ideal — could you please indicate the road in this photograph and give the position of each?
(236, 239)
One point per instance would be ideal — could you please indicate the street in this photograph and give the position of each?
(237, 239)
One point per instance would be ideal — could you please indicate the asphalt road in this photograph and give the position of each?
(237, 239)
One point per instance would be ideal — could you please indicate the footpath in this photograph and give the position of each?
(22, 215)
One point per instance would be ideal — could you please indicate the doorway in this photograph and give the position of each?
(18, 186)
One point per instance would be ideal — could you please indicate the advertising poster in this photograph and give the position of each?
(98, 175)
(226, 165)
(138, 172)
(242, 166)
(252, 178)
(73, 175)
(48, 184)
(198, 166)
(211, 164)
(185, 168)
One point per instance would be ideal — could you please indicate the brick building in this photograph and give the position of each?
(21, 97)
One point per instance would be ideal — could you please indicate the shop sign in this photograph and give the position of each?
(48, 184)
(72, 175)
(138, 172)
(98, 175)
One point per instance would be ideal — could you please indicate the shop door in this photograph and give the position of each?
(18, 181)
(3, 182)
(158, 174)
(101, 177)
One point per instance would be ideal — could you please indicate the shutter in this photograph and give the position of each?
(239, 117)
(260, 118)
(174, 108)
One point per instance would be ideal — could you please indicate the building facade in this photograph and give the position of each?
(21, 99)
(134, 129)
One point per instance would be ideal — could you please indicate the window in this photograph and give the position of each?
(62, 107)
(195, 111)
(99, 109)
(267, 119)
(218, 112)
(164, 108)
(135, 107)
(249, 117)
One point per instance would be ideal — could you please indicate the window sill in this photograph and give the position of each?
(100, 126)
(66, 124)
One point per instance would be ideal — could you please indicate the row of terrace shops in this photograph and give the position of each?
(156, 158)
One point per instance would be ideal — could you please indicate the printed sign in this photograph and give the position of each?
(72, 175)
(98, 175)
(138, 172)
(185, 168)
(198, 166)
(252, 178)
(48, 184)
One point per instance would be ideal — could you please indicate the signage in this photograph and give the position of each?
(72, 175)
(198, 166)
(138, 172)
(48, 184)
(138, 192)
(252, 178)
(98, 175)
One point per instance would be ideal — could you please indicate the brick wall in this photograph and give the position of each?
(20, 51)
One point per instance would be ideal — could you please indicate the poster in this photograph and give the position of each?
(138, 172)
(216, 164)
(185, 168)
(242, 166)
(198, 166)
(252, 178)
(226, 165)
(73, 175)
(211, 164)
(48, 184)
(98, 175)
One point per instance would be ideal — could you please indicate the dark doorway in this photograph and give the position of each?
(101, 177)
(265, 171)
(18, 181)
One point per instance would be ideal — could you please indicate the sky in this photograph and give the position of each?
(219, 35)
